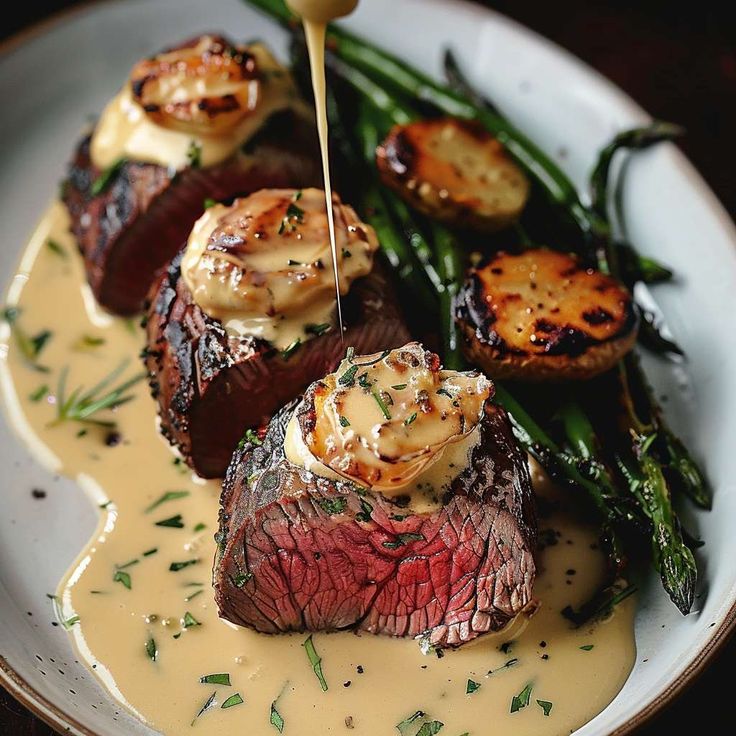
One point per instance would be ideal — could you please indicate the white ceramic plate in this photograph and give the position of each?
(55, 80)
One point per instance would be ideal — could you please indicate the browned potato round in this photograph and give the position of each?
(453, 171)
(542, 316)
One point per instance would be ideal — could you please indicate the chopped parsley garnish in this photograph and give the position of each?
(365, 511)
(189, 621)
(88, 342)
(348, 378)
(29, 345)
(56, 248)
(275, 719)
(293, 217)
(381, 405)
(209, 703)
(410, 419)
(315, 660)
(290, 349)
(150, 552)
(364, 382)
(471, 687)
(209, 202)
(332, 506)
(232, 700)
(403, 727)
(399, 386)
(69, 622)
(39, 393)
(200, 527)
(251, 436)
(123, 577)
(174, 522)
(504, 666)
(444, 392)
(318, 330)
(221, 678)
(430, 728)
(193, 595)
(545, 705)
(587, 647)
(165, 498)
(403, 539)
(242, 578)
(522, 699)
(194, 154)
(375, 360)
(176, 566)
(151, 649)
(103, 181)
(344, 421)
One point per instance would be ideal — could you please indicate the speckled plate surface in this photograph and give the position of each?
(55, 79)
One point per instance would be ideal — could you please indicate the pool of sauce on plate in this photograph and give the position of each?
(373, 682)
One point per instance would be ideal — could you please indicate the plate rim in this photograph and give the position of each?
(51, 714)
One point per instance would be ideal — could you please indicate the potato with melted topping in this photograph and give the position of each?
(455, 172)
(543, 316)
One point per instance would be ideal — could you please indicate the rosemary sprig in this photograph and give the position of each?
(82, 406)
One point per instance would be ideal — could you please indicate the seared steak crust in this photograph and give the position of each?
(298, 552)
(211, 387)
(131, 229)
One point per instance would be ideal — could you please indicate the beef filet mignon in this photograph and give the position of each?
(131, 229)
(298, 552)
(211, 386)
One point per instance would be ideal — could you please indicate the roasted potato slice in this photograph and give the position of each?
(453, 171)
(543, 316)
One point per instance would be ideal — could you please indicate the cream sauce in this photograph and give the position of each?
(125, 131)
(315, 15)
(258, 265)
(373, 682)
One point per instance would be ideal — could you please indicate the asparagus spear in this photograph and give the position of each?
(451, 269)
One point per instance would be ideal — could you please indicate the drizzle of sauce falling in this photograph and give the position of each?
(315, 15)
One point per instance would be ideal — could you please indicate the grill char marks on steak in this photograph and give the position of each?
(299, 552)
(210, 387)
(129, 231)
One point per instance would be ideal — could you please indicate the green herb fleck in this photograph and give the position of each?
(242, 578)
(290, 349)
(444, 392)
(381, 405)
(430, 728)
(209, 703)
(348, 378)
(69, 622)
(150, 552)
(276, 720)
(399, 386)
(193, 595)
(318, 330)
(587, 647)
(103, 181)
(471, 687)
(81, 405)
(332, 506)
(232, 701)
(151, 649)
(222, 678)
(176, 566)
(365, 511)
(200, 527)
(168, 496)
(88, 342)
(522, 699)
(190, 621)
(123, 577)
(174, 522)
(194, 154)
(410, 420)
(29, 346)
(344, 421)
(209, 202)
(504, 666)
(39, 393)
(403, 727)
(403, 539)
(130, 563)
(315, 660)
(56, 248)
(545, 705)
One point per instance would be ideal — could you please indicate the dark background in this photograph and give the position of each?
(679, 62)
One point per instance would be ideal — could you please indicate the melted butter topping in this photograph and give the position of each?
(262, 266)
(199, 103)
(382, 419)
